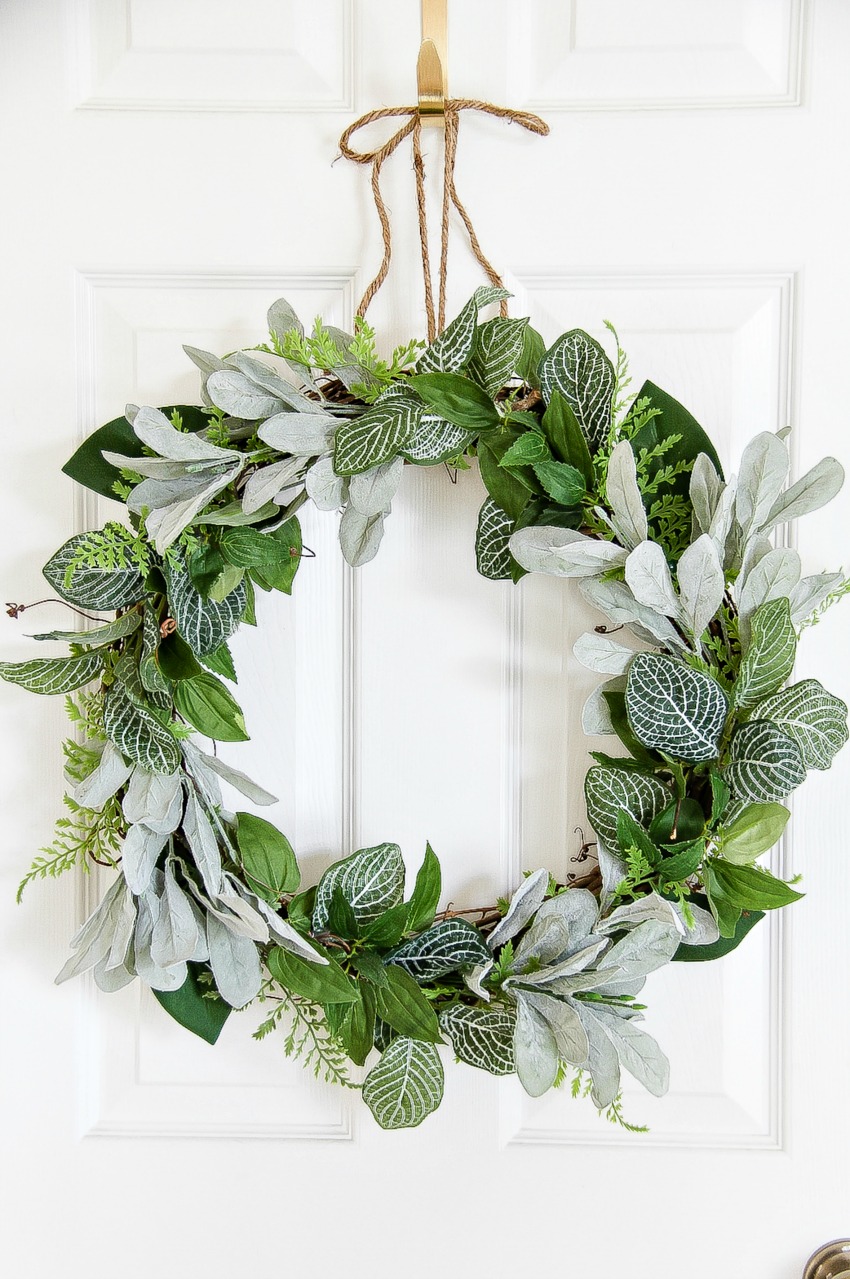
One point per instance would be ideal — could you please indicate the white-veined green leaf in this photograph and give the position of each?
(153, 680)
(406, 1085)
(765, 763)
(770, 653)
(496, 352)
(702, 583)
(98, 635)
(577, 366)
(435, 440)
(812, 717)
(609, 791)
(203, 624)
(675, 709)
(481, 1037)
(101, 588)
(370, 880)
(53, 674)
(446, 947)
(492, 552)
(137, 733)
(451, 350)
(377, 436)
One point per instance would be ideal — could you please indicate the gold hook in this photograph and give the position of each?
(431, 63)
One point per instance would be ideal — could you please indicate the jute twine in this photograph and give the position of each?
(412, 127)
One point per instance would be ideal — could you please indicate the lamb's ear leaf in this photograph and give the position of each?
(674, 419)
(189, 1006)
(89, 467)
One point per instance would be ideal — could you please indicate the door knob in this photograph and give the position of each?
(832, 1261)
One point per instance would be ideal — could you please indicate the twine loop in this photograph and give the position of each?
(412, 127)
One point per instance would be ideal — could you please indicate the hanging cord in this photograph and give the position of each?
(413, 126)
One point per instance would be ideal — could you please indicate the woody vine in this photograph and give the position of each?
(700, 617)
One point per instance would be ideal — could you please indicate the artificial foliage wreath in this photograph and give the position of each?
(626, 494)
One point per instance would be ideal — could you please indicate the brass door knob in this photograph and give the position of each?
(832, 1261)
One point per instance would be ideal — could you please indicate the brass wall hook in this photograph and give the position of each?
(431, 63)
(832, 1261)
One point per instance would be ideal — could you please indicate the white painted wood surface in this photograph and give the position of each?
(168, 174)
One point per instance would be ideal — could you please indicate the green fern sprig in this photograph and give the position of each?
(83, 837)
(308, 1038)
(110, 548)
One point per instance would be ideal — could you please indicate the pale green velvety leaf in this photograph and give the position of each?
(370, 880)
(302, 434)
(326, 490)
(702, 583)
(524, 904)
(53, 675)
(175, 930)
(649, 579)
(535, 1049)
(763, 471)
(239, 396)
(675, 709)
(360, 536)
(636, 1050)
(705, 489)
(406, 1085)
(817, 487)
(564, 552)
(770, 653)
(371, 492)
(617, 602)
(138, 734)
(481, 1037)
(577, 366)
(766, 763)
(492, 552)
(812, 717)
(775, 575)
(281, 317)
(101, 784)
(235, 963)
(447, 947)
(624, 496)
(105, 589)
(609, 790)
(601, 654)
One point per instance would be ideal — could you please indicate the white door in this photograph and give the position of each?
(167, 175)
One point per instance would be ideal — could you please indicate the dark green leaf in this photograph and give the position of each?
(720, 796)
(533, 350)
(680, 822)
(187, 1005)
(299, 912)
(566, 437)
(674, 419)
(205, 565)
(563, 483)
(370, 966)
(323, 983)
(724, 910)
(342, 921)
(457, 399)
(388, 929)
(267, 858)
(278, 575)
(176, 659)
(721, 947)
(529, 447)
(630, 834)
(357, 1030)
(506, 488)
(426, 893)
(88, 465)
(402, 1005)
(751, 888)
(221, 662)
(211, 708)
(682, 861)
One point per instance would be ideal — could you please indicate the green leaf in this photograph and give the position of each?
(609, 790)
(189, 1007)
(811, 717)
(529, 447)
(279, 575)
(402, 1005)
(100, 588)
(508, 490)
(89, 467)
(211, 708)
(681, 863)
(562, 430)
(357, 1030)
(389, 928)
(376, 436)
(457, 399)
(249, 548)
(406, 1085)
(533, 350)
(493, 558)
(756, 829)
(716, 950)
(426, 893)
(630, 834)
(371, 881)
(563, 483)
(98, 635)
(675, 709)
(447, 947)
(53, 675)
(370, 966)
(221, 662)
(138, 734)
(203, 624)
(497, 352)
(673, 419)
(752, 888)
(268, 859)
(727, 915)
(323, 983)
(176, 659)
(681, 822)
(481, 1037)
(577, 368)
(765, 763)
(228, 579)
(342, 921)
(720, 796)
(299, 912)
(770, 653)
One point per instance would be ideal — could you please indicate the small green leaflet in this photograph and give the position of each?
(53, 675)
(530, 447)
(221, 662)
(323, 983)
(457, 399)
(751, 888)
(562, 482)
(268, 858)
(406, 1085)
(770, 653)
(497, 352)
(481, 1037)
(674, 708)
(377, 436)
(211, 708)
(577, 367)
(630, 834)
(756, 829)
(449, 352)
(402, 1005)
(100, 588)
(447, 947)
(248, 548)
(203, 624)
(492, 554)
(357, 1030)
(138, 734)
(766, 764)
(435, 441)
(609, 790)
(370, 880)
(98, 635)
(812, 717)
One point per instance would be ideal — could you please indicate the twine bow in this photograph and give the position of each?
(412, 126)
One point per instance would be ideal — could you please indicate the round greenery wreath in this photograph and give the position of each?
(626, 494)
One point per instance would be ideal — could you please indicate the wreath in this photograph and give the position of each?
(707, 739)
